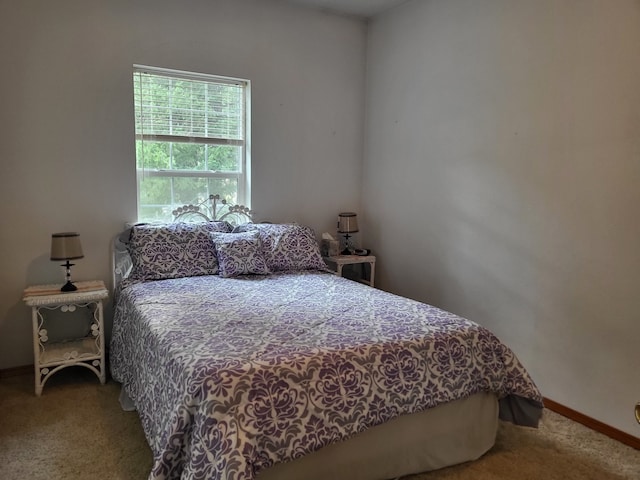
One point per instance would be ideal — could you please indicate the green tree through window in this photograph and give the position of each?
(191, 139)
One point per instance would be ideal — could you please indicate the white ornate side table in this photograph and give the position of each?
(87, 351)
(340, 261)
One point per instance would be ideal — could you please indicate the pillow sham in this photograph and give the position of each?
(173, 250)
(287, 246)
(239, 254)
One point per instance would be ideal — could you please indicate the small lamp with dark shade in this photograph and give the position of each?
(66, 246)
(347, 223)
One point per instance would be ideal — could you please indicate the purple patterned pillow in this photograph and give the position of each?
(173, 250)
(287, 247)
(239, 254)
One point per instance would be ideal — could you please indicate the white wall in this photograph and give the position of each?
(66, 121)
(502, 181)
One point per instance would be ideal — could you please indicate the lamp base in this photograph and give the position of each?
(68, 287)
(347, 244)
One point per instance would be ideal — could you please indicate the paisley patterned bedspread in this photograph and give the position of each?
(230, 375)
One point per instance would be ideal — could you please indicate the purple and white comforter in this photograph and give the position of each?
(231, 375)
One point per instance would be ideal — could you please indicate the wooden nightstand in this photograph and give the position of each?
(87, 350)
(340, 261)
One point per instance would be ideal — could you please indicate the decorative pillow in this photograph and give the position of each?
(287, 247)
(173, 250)
(239, 254)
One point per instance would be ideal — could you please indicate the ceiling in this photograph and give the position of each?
(361, 8)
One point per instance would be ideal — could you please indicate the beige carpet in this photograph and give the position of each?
(76, 430)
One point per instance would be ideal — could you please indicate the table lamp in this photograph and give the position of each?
(347, 223)
(66, 246)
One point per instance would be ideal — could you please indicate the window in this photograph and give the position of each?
(191, 140)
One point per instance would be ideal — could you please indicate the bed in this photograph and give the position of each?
(246, 359)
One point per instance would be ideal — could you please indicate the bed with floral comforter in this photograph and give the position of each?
(232, 375)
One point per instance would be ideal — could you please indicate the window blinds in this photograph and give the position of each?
(174, 107)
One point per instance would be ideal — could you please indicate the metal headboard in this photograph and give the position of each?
(121, 262)
(213, 208)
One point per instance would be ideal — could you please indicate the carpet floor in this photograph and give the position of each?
(76, 431)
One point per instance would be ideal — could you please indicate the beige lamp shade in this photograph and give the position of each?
(347, 222)
(66, 246)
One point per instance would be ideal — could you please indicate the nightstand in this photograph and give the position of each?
(86, 350)
(339, 261)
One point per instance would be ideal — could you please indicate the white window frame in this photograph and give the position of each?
(242, 177)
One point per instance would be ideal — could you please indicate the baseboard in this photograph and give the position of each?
(593, 424)
(16, 371)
